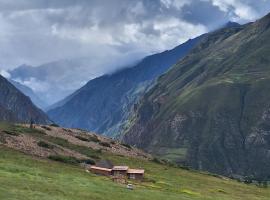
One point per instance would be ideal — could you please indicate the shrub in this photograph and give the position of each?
(64, 159)
(113, 142)
(82, 138)
(11, 133)
(156, 160)
(99, 151)
(126, 145)
(2, 139)
(248, 179)
(54, 125)
(89, 161)
(93, 138)
(45, 145)
(67, 130)
(46, 128)
(105, 144)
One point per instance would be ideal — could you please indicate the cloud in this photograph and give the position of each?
(240, 10)
(39, 31)
(108, 34)
(5, 74)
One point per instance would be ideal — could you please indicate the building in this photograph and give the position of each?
(101, 170)
(119, 170)
(119, 173)
(136, 174)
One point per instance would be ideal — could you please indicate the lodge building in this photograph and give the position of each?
(119, 172)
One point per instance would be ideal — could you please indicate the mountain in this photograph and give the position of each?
(54, 81)
(211, 111)
(30, 93)
(17, 107)
(103, 104)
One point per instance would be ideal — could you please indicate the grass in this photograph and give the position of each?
(60, 177)
(23, 177)
(64, 159)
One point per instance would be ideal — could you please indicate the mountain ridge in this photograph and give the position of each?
(17, 107)
(210, 110)
(102, 105)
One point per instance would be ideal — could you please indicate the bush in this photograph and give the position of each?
(54, 125)
(88, 161)
(46, 128)
(126, 145)
(67, 130)
(113, 142)
(93, 138)
(45, 145)
(105, 144)
(64, 159)
(11, 133)
(2, 139)
(99, 151)
(248, 179)
(82, 138)
(156, 160)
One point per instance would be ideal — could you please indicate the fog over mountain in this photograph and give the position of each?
(109, 34)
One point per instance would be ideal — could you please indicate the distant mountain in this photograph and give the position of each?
(16, 107)
(103, 104)
(211, 111)
(55, 80)
(30, 93)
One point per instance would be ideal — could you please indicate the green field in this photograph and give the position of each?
(26, 178)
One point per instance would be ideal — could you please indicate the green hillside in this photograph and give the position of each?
(27, 174)
(211, 111)
(27, 178)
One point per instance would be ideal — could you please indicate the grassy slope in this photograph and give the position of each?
(212, 104)
(23, 177)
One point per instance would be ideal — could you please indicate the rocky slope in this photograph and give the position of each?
(103, 104)
(211, 111)
(17, 107)
(50, 142)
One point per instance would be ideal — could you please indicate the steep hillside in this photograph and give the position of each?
(51, 163)
(103, 104)
(15, 106)
(30, 93)
(211, 111)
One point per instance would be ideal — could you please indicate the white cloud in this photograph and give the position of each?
(34, 84)
(178, 4)
(237, 9)
(4, 73)
(109, 33)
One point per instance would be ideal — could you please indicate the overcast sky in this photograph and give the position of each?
(39, 31)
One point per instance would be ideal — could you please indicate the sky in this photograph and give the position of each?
(38, 31)
(109, 33)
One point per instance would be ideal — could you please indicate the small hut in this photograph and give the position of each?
(136, 174)
(101, 170)
(119, 170)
